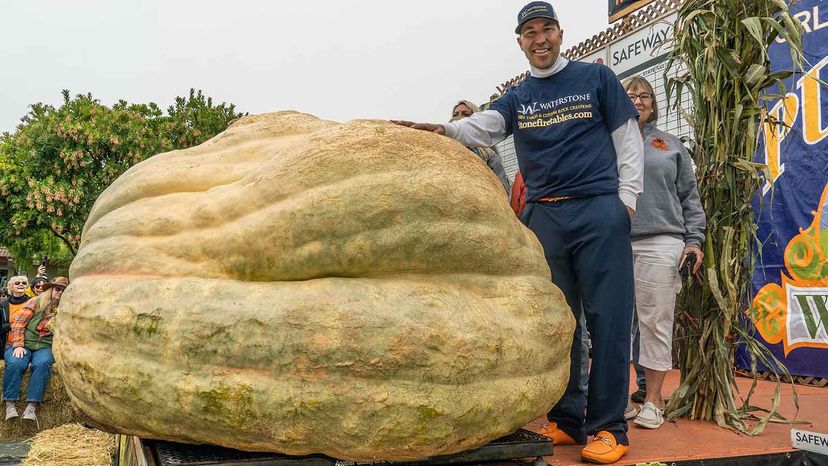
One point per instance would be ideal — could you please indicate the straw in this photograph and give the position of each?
(71, 445)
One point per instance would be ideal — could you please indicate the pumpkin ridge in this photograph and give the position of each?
(272, 203)
(236, 142)
(143, 330)
(303, 416)
(106, 204)
(486, 224)
(318, 374)
(388, 239)
(293, 154)
(95, 236)
(332, 133)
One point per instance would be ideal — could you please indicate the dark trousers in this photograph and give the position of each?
(587, 245)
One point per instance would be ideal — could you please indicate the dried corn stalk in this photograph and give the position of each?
(722, 46)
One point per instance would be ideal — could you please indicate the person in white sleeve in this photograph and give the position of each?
(580, 153)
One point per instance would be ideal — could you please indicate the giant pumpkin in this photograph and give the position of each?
(360, 290)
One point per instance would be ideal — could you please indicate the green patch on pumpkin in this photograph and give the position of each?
(235, 404)
(427, 413)
(147, 324)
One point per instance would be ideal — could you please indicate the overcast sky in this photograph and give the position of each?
(337, 59)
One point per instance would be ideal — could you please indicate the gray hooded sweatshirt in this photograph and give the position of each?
(670, 204)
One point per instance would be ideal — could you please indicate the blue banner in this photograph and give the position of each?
(789, 305)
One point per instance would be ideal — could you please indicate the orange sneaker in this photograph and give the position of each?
(603, 449)
(558, 436)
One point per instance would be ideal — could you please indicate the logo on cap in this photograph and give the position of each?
(534, 10)
(531, 10)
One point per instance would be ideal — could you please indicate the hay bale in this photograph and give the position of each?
(56, 410)
(71, 445)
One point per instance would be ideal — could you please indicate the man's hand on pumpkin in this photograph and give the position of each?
(432, 128)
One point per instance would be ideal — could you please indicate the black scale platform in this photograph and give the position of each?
(521, 444)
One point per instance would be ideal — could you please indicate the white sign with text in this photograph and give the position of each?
(809, 441)
(642, 46)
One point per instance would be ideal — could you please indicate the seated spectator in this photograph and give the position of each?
(31, 342)
(464, 109)
(36, 287)
(37, 282)
(9, 308)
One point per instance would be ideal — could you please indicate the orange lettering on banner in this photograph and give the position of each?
(812, 104)
(784, 113)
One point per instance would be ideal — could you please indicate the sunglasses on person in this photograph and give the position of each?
(39, 286)
(20, 283)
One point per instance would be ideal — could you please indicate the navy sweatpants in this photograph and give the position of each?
(587, 245)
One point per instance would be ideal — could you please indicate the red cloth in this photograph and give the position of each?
(518, 201)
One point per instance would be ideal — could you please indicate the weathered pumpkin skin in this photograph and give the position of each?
(359, 290)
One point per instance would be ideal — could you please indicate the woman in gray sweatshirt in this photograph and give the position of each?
(668, 226)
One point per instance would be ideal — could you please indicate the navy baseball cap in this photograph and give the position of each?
(534, 10)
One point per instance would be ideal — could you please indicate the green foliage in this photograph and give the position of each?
(195, 119)
(28, 251)
(722, 46)
(60, 159)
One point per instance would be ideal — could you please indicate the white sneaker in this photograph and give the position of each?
(29, 413)
(11, 412)
(631, 411)
(649, 417)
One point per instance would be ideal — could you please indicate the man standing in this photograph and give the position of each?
(580, 153)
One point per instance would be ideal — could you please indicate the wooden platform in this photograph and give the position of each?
(697, 442)
(682, 442)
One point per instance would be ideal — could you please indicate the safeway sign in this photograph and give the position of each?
(643, 48)
(809, 441)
